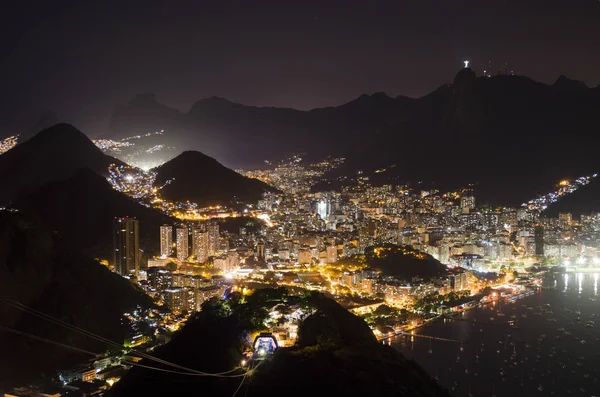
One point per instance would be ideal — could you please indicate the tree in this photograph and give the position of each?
(383, 310)
(171, 266)
(269, 276)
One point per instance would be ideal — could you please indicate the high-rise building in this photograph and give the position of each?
(401, 224)
(182, 243)
(200, 244)
(166, 241)
(565, 219)
(367, 285)
(508, 219)
(459, 281)
(226, 263)
(223, 244)
(213, 238)
(260, 250)
(284, 254)
(220, 262)
(206, 293)
(539, 240)
(191, 299)
(467, 203)
(233, 260)
(126, 246)
(160, 279)
(491, 220)
(175, 298)
(464, 280)
(323, 209)
(304, 256)
(332, 254)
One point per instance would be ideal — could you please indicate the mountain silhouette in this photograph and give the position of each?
(42, 271)
(241, 135)
(563, 83)
(53, 154)
(201, 179)
(511, 136)
(82, 208)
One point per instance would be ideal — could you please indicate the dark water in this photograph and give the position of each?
(535, 358)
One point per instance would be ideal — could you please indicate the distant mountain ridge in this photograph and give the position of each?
(512, 135)
(228, 130)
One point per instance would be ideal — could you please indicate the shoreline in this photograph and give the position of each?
(582, 270)
(407, 332)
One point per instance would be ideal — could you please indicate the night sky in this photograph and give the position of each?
(80, 58)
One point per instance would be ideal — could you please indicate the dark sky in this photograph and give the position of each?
(80, 58)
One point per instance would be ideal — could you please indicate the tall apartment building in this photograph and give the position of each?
(126, 246)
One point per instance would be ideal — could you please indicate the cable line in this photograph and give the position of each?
(54, 320)
(39, 338)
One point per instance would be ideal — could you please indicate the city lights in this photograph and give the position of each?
(8, 143)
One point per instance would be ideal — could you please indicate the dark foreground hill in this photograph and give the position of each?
(53, 154)
(39, 270)
(336, 355)
(82, 208)
(198, 178)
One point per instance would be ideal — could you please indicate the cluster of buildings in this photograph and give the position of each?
(132, 181)
(8, 143)
(292, 175)
(182, 292)
(309, 235)
(143, 151)
(311, 229)
(307, 239)
(564, 187)
(197, 242)
(193, 244)
(113, 146)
